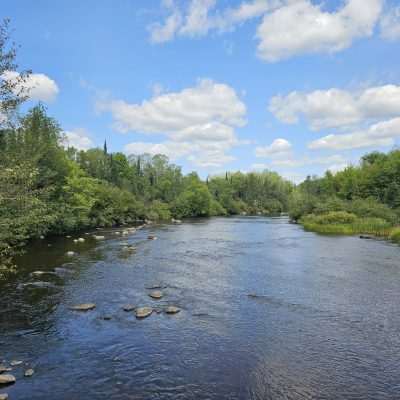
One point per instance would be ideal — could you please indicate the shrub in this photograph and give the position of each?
(159, 211)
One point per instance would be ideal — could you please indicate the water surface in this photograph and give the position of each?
(268, 312)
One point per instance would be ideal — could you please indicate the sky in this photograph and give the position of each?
(294, 86)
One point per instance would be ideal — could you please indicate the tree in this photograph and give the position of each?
(12, 90)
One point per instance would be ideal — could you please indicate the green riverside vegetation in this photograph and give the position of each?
(363, 199)
(48, 189)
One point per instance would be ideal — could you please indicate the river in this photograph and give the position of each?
(268, 311)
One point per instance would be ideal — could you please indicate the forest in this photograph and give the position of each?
(47, 188)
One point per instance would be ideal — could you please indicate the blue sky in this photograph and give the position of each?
(295, 86)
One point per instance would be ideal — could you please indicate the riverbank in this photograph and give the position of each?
(375, 227)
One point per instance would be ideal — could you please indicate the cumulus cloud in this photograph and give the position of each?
(337, 108)
(278, 148)
(200, 120)
(288, 27)
(301, 27)
(36, 86)
(196, 18)
(390, 24)
(380, 134)
(78, 138)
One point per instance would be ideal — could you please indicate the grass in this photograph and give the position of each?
(340, 223)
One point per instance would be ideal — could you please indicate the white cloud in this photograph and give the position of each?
(170, 149)
(337, 108)
(160, 33)
(36, 86)
(293, 162)
(196, 19)
(301, 27)
(379, 134)
(390, 24)
(278, 148)
(288, 27)
(201, 119)
(78, 138)
(338, 167)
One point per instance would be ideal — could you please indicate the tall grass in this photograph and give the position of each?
(344, 223)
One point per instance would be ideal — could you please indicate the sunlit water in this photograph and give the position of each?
(322, 321)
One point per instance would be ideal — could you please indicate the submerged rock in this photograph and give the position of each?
(156, 286)
(106, 317)
(15, 363)
(143, 312)
(7, 379)
(128, 307)
(84, 307)
(172, 310)
(156, 294)
(29, 372)
(40, 273)
(366, 237)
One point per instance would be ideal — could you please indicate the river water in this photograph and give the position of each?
(268, 312)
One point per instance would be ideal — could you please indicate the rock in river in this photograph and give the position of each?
(3, 368)
(84, 307)
(3, 396)
(7, 379)
(151, 237)
(15, 363)
(29, 372)
(143, 312)
(172, 310)
(128, 307)
(156, 294)
(70, 253)
(99, 237)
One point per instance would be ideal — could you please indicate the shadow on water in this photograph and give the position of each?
(268, 311)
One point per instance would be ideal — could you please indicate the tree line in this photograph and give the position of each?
(47, 188)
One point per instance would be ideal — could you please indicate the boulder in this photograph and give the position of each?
(3, 368)
(3, 396)
(156, 294)
(7, 379)
(172, 310)
(143, 312)
(29, 372)
(84, 307)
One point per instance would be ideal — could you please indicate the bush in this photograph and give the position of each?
(331, 218)
(216, 208)
(371, 208)
(159, 211)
